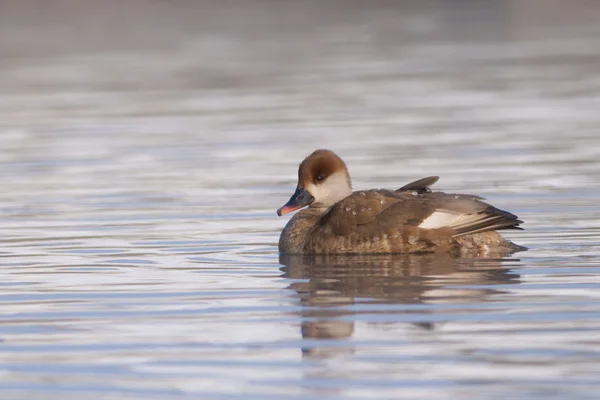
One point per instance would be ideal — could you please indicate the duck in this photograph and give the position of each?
(334, 219)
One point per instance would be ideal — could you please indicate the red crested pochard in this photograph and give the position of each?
(411, 219)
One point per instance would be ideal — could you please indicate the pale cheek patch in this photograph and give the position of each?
(315, 191)
(332, 190)
(439, 219)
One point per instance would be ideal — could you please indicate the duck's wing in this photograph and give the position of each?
(466, 214)
(421, 185)
(374, 210)
(381, 210)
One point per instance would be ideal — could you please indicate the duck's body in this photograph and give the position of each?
(408, 220)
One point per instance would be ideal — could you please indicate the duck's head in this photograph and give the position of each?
(323, 180)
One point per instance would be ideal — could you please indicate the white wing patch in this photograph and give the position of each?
(439, 219)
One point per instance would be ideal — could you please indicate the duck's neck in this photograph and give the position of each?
(296, 232)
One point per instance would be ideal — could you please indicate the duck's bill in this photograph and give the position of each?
(300, 198)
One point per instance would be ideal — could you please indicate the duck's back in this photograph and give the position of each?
(406, 221)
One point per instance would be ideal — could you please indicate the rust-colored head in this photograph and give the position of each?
(323, 180)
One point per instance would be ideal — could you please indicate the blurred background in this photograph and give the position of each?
(146, 144)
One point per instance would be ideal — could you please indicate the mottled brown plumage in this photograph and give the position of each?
(410, 219)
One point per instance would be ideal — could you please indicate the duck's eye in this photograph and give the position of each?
(320, 178)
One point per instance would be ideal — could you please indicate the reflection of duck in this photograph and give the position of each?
(410, 219)
(335, 281)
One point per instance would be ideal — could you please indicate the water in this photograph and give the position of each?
(145, 147)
